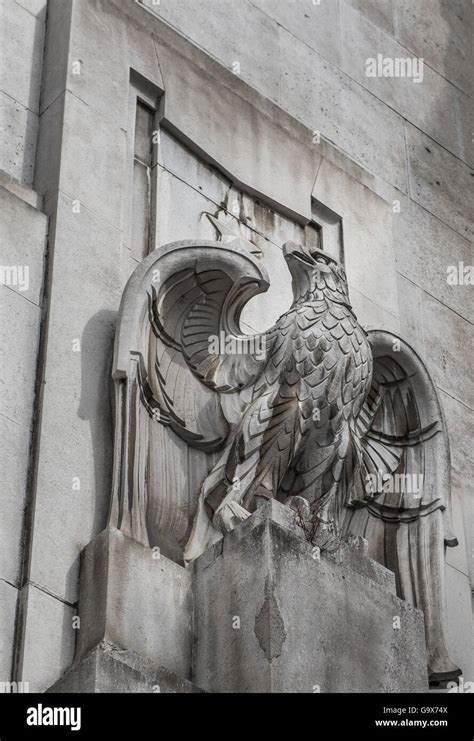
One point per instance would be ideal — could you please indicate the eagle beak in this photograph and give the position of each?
(292, 250)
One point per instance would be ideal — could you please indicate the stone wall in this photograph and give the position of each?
(23, 232)
(265, 112)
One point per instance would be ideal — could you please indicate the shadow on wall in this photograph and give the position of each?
(97, 346)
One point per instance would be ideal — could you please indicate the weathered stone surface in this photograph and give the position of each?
(22, 191)
(293, 621)
(107, 47)
(234, 33)
(431, 104)
(18, 355)
(22, 242)
(23, 235)
(379, 12)
(440, 182)
(184, 164)
(460, 423)
(36, 7)
(186, 208)
(410, 298)
(466, 112)
(8, 600)
(73, 495)
(48, 638)
(100, 148)
(48, 161)
(56, 62)
(22, 45)
(371, 315)
(111, 669)
(246, 145)
(367, 226)
(450, 368)
(317, 24)
(18, 131)
(15, 445)
(328, 101)
(440, 31)
(305, 85)
(136, 600)
(460, 625)
(424, 250)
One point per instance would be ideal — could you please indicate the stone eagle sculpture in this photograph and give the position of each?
(342, 425)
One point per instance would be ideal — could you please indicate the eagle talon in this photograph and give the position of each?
(299, 505)
(227, 517)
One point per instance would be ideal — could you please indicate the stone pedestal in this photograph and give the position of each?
(272, 614)
(135, 630)
(265, 610)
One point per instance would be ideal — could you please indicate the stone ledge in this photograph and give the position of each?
(108, 668)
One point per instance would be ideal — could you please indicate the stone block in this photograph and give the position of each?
(200, 94)
(15, 446)
(460, 423)
(22, 191)
(48, 161)
(440, 31)
(424, 250)
(48, 636)
(460, 625)
(431, 104)
(440, 182)
(22, 52)
(75, 456)
(411, 327)
(22, 242)
(367, 228)
(137, 600)
(273, 615)
(466, 112)
(92, 160)
(315, 24)
(444, 332)
(18, 355)
(239, 35)
(184, 164)
(8, 600)
(56, 62)
(326, 100)
(181, 211)
(379, 12)
(112, 670)
(18, 132)
(36, 7)
(108, 48)
(267, 222)
(371, 315)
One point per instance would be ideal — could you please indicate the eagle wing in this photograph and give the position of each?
(400, 451)
(193, 347)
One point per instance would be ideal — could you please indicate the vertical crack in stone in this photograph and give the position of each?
(269, 625)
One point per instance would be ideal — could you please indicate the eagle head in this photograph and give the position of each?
(315, 274)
